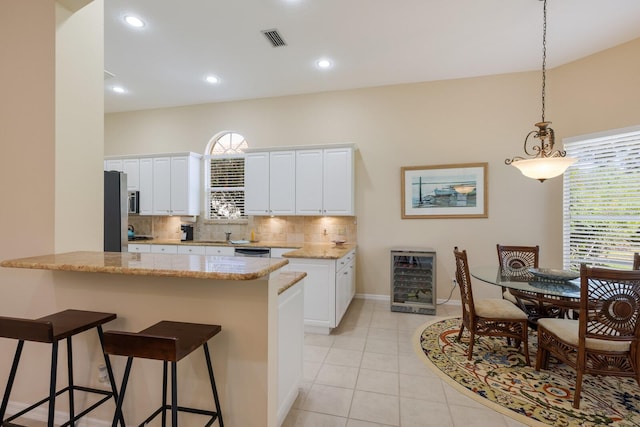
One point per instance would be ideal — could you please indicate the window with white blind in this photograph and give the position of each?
(224, 166)
(601, 206)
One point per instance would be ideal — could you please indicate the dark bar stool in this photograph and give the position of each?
(170, 342)
(51, 329)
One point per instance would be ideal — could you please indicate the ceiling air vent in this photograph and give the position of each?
(108, 75)
(274, 37)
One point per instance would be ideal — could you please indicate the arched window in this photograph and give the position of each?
(224, 180)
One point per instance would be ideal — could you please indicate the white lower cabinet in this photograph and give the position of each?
(191, 250)
(345, 284)
(164, 249)
(219, 250)
(329, 289)
(139, 248)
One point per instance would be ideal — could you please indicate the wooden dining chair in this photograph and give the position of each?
(490, 316)
(636, 261)
(604, 340)
(516, 260)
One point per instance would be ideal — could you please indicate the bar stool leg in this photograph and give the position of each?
(112, 380)
(164, 394)
(117, 416)
(52, 383)
(12, 377)
(70, 373)
(174, 394)
(207, 356)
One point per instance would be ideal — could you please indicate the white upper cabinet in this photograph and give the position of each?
(256, 183)
(282, 182)
(146, 186)
(309, 182)
(113, 165)
(325, 182)
(270, 183)
(132, 168)
(162, 186)
(338, 182)
(176, 185)
(169, 184)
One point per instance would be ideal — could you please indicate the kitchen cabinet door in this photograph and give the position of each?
(113, 165)
(338, 182)
(146, 186)
(132, 168)
(309, 182)
(256, 183)
(319, 293)
(185, 185)
(282, 182)
(162, 186)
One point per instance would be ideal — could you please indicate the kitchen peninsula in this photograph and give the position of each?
(257, 359)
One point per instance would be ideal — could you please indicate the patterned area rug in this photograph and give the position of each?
(497, 376)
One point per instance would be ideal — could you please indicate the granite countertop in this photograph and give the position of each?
(147, 264)
(298, 250)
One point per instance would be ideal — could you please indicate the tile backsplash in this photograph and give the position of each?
(292, 229)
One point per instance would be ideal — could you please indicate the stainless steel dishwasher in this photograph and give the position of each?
(254, 252)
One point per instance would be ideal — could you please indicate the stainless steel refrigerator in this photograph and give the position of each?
(115, 212)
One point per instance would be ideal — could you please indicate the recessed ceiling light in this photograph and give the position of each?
(134, 21)
(324, 63)
(118, 89)
(212, 79)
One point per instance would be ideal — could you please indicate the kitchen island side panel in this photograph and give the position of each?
(239, 353)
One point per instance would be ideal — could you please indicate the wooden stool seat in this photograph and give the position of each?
(167, 341)
(51, 329)
(170, 341)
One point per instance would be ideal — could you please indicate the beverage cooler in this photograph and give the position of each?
(413, 280)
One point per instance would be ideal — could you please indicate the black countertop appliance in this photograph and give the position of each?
(187, 232)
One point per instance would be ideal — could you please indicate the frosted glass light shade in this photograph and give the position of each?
(544, 167)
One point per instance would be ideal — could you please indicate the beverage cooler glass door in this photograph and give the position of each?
(413, 281)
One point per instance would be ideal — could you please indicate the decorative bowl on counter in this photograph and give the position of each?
(554, 275)
(339, 242)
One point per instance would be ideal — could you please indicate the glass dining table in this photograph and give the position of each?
(544, 298)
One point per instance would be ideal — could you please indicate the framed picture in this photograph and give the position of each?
(445, 191)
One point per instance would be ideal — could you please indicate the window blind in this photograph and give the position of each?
(225, 188)
(601, 200)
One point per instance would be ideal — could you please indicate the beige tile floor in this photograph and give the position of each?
(366, 374)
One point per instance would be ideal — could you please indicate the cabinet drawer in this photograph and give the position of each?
(345, 260)
(164, 249)
(138, 248)
(219, 250)
(191, 250)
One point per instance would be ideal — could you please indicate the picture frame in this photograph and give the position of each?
(445, 191)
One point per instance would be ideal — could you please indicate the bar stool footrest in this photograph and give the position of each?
(106, 393)
(212, 414)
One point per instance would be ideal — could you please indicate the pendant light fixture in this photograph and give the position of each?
(543, 162)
